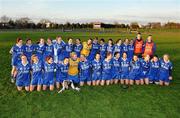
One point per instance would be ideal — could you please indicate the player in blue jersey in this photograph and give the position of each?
(40, 48)
(62, 72)
(116, 71)
(125, 46)
(68, 48)
(78, 47)
(165, 71)
(125, 66)
(131, 50)
(94, 49)
(49, 49)
(96, 65)
(107, 66)
(154, 70)
(103, 49)
(118, 46)
(22, 74)
(17, 50)
(28, 49)
(135, 70)
(37, 73)
(59, 45)
(84, 71)
(110, 46)
(49, 71)
(145, 67)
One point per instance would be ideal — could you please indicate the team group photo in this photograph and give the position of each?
(89, 58)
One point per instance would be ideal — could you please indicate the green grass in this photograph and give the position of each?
(95, 102)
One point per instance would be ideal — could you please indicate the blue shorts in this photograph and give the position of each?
(96, 76)
(106, 76)
(116, 76)
(164, 78)
(144, 74)
(37, 81)
(48, 82)
(124, 76)
(153, 78)
(134, 77)
(85, 79)
(21, 83)
(74, 78)
(60, 78)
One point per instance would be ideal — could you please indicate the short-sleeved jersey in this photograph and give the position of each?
(73, 67)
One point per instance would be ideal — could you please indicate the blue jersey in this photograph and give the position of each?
(96, 69)
(68, 50)
(117, 48)
(39, 50)
(49, 50)
(130, 52)
(116, 68)
(107, 67)
(102, 50)
(94, 50)
(145, 66)
(125, 48)
(28, 51)
(77, 49)
(125, 66)
(154, 71)
(37, 73)
(23, 74)
(110, 48)
(135, 70)
(84, 68)
(17, 51)
(49, 70)
(165, 68)
(62, 72)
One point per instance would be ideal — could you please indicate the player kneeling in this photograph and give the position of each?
(107, 69)
(37, 75)
(135, 70)
(84, 74)
(22, 74)
(165, 70)
(49, 70)
(145, 66)
(96, 70)
(154, 70)
(62, 72)
(125, 66)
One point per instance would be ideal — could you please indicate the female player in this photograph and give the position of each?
(62, 72)
(49, 49)
(28, 49)
(94, 49)
(125, 66)
(39, 48)
(78, 47)
(84, 71)
(96, 70)
(107, 69)
(68, 48)
(17, 50)
(110, 46)
(165, 71)
(118, 46)
(86, 47)
(49, 71)
(135, 70)
(154, 70)
(130, 50)
(116, 68)
(22, 74)
(145, 66)
(37, 73)
(102, 49)
(73, 68)
(125, 46)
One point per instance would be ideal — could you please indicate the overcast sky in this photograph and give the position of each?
(125, 11)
